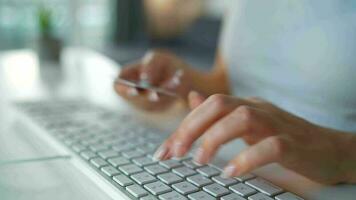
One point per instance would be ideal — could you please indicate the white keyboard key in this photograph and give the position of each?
(288, 196)
(233, 196)
(245, 177)
(78, 147)
(98, 147)
(242, 189)
(87, 155)
(172, 196)
(108, 154)
(122, 180)
(110, 171)
(169, 178)
(132, 154)
(224, 181)
(170, 164)
(149, 197)
(98, 162)
(155, 169)
(185, 187)
(157, 188)
(143, 161)
(184, 171)
(200, 196)
(143, 178)
(136, 191)
(130, 169)
(264, 186)
(118, 161)
(199, 180)
(216, 190)
(191, 164)
(259, 196)
(208, 171)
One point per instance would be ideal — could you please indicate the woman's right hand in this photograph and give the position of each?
(160, 69)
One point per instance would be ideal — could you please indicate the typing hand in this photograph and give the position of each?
(159, 69)
(273, 134)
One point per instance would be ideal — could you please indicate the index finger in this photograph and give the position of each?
(200, 120)
(267, 151)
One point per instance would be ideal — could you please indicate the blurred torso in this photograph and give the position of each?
(299, 54)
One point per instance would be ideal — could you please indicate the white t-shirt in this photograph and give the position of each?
(298, 54)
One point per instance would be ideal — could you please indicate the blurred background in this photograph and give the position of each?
(121, 29)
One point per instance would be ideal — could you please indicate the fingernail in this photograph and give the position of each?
(200, 156)
(147, 58)
(153, 97)
(229, 171)
(132, 92)
(179, 73)
(174, 82)
(160, 153)
(144, 76)
(194, 94)
(178, 149)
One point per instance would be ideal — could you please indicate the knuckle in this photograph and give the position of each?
(213, 138)
(243, 162)
(278, 145)
(210, 142)
(182, 136)
(217, 100)
(246, 114)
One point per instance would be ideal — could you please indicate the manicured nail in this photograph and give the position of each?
(132, 92)
(194, 94)
(147, 58)
(160, 153)
(200, 156)
(143, 76)
(153, 97)
(229, 171)
(174, 82)
(178, 149)
(179, 73)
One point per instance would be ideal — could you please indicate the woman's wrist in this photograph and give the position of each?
(346, 145)
(209, 82)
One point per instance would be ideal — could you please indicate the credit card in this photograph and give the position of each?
(145, 86)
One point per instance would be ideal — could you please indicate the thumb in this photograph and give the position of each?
(195, 99)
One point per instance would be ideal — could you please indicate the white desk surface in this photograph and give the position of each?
(86, 74)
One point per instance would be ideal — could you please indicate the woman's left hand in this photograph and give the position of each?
(273, 134)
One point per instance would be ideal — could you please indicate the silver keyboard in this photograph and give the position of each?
(120, 149)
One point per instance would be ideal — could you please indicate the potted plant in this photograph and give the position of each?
(48, 45)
